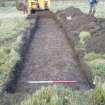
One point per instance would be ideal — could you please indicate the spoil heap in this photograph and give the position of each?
(74, 22)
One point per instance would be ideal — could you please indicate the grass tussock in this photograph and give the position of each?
(61, 96)
(93, 56)
(57, 96)
(97, 63)
(84, 36)
(98, 96)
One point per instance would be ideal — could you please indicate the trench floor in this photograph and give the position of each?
(50, 57)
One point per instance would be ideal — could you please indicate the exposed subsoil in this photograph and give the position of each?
(50, 57)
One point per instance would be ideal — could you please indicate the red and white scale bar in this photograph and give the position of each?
(49, 82)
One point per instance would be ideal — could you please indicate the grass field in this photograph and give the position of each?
(12, 24)
(10, 12)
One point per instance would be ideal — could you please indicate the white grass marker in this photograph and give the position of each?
(49, 82)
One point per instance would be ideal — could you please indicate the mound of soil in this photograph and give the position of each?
(74, 21)
(71, 11)
(97, 43)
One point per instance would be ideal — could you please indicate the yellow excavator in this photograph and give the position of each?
(34, 5)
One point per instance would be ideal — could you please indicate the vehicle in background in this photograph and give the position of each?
(34, 5)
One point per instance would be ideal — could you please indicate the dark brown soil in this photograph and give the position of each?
(84, 22)
(97, 42)
(50, 57)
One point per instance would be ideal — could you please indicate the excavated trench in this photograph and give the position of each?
(50, 57)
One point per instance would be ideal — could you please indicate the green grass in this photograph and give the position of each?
(93, 56)
(10, 13)
(60, 5)
(8, 99)
(57, 96)
(11, 29)
(62, 96)
(98, 96)
(9, 10)
(54, 95)
(98, 67)
(97, 63)
(84, 36)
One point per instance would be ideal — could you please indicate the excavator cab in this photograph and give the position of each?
(43, 4)
(38, 5)
(33, 5)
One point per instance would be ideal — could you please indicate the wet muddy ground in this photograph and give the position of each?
(50, 57)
